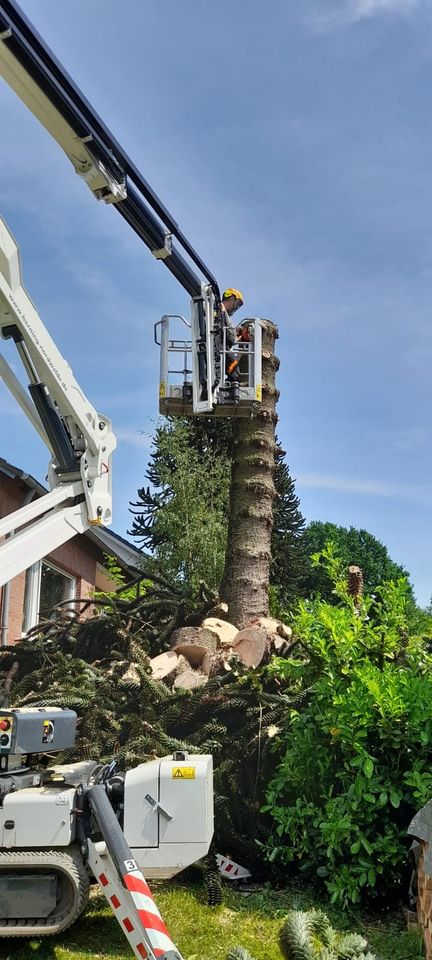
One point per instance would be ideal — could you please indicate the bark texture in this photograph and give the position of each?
(245, 581)
(424, 902)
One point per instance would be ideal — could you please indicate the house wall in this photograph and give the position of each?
(79, 558)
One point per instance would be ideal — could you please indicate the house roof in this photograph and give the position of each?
(127, 555)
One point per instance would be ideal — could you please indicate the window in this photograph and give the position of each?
(46, 585)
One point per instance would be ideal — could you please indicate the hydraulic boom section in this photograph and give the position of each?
(33, 72)
(79, 439)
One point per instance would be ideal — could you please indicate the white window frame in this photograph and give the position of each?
(33, 589)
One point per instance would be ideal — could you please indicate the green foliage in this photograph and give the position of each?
(237, 953)
(128, 591)
(353, 547)
(308, 935)
(355, 759)
(288, 561)
(301, 934)
(100, 667)
(182, 516)
(202, 933)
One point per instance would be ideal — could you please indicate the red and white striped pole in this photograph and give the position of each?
(157, 943)
(150, 917)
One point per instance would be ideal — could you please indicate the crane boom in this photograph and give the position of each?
(80, 439)
(34, 73)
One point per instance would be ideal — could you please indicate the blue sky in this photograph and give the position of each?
(292, 142)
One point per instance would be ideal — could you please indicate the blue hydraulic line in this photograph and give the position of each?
(38, 61)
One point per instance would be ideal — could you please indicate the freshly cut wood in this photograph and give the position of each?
(193, 643)
(251, 645)
(167, 666)
(224, 631)
(273, 627)
(216, 664)
(190, 680)
(220, 610)
(279, 644)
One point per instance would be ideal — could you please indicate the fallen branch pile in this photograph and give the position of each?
(158, 673)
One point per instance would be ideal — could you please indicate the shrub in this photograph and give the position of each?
(355, 761)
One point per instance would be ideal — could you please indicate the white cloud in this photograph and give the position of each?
(368, 8)
(368, 488)
(133, 437)
(353, 11)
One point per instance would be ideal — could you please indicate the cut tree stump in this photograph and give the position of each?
(252, 645)
(224, 631)
(194, 643)
(167, 666)
(190, 680)
(215, 665)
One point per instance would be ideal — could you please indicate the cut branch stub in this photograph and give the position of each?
(355, 582)
(194, 643)
(224, 631)
(190, 680)
(215, 665)
(275, 628)
(167, 666)
(220, 610)
(251, 645)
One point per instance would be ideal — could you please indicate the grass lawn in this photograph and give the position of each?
(206, 933)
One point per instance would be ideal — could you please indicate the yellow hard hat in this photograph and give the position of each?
(231, 292)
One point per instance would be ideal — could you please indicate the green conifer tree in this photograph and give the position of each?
(181, 515)
(199, 450)
(288, 562)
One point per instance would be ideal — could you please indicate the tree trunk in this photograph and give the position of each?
(245, 582)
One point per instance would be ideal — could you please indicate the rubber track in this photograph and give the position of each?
(71, 865)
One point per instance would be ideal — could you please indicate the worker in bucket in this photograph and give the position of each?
(232, 300)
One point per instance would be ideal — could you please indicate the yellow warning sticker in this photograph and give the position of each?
(162, 389)
(183, 773)
(258, 392)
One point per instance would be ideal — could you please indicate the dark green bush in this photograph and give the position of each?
(356, 760)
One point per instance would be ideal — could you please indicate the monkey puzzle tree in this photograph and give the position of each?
(182, 516)
(245, 583)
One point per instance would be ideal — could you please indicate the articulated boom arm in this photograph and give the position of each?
(80, 440)
(32, 70)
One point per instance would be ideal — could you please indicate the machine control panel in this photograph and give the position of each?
(36, 730)
(6, 726)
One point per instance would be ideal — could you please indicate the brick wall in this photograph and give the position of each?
(79, 558)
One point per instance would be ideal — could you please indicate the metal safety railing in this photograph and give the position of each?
(194, 378)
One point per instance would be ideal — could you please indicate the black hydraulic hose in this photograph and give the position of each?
(36, 57)
(110, 828)
(142, 221)
(58, 436)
